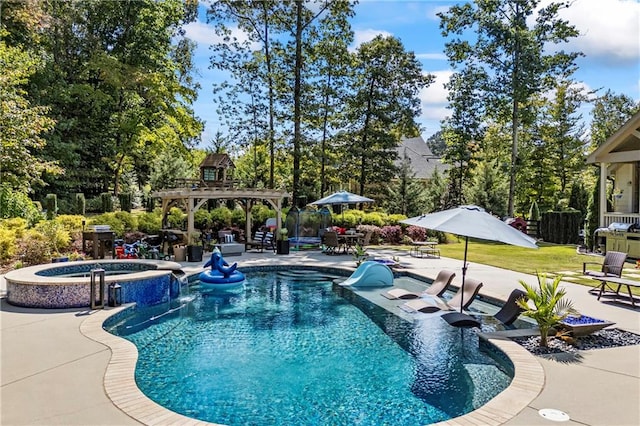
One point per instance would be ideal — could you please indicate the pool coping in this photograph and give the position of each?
(120, 385)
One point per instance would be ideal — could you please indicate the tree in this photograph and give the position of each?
(488, 189)
(435, 193)
(383, 107)
(24, 125)
(406, 194)
(119, 87)
(609, 113)
(508, 64)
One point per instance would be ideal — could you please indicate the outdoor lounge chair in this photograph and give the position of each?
(611, 266)
(437, 288)
(261, 240)
(510, 311)
(433, 304)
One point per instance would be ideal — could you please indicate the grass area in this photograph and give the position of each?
(552, 259)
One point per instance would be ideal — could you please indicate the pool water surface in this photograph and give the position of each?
(288, 349)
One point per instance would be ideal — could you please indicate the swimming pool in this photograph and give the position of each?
(291, 350)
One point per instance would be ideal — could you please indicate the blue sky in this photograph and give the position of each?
(610, 39)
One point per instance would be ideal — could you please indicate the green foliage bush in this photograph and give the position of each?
(94, 205)
(71, 223)
(7, 244)
(239, 218)
(561, 227)
(394, 219)
(18, 204)
(201, 219)
(126, 201)
(150, 223)
(416, 233)
(176, 218)
(106, 202)
(109, 219)
(373, 218)
(221, 217)
(17, 225)
(79, 204)
(128, 220)
(51, 205)
(34, 248)
(56, 237)
(260, 213)
(391, 234)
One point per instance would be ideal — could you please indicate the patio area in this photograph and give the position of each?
(53, 374)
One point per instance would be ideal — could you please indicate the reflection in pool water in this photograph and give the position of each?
(290, 349)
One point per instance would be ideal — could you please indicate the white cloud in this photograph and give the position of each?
(609, 30)
(205, 35)
(432, 56)
(434, 98)
(363, 36)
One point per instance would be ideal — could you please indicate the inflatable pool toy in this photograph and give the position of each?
(221, 275)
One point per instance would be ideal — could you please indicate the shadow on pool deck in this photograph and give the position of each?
(52, 374)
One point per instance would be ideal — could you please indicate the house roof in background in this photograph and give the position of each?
(423, 161)
(621, 147)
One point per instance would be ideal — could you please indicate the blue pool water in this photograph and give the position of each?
(289, 349)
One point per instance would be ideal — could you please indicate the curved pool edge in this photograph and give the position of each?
(120, 385)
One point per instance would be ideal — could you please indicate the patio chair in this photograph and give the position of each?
(331, 243)
(611, 266)
(510, 311)
(471, 289)
(364, 241)
(437, 287)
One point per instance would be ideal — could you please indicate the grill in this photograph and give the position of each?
(623, 227)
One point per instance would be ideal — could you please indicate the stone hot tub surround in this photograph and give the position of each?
(67, 284)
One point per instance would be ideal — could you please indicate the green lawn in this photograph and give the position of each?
(552, 259)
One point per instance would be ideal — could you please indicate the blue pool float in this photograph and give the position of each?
(221, 275)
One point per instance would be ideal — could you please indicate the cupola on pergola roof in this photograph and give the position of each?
(216, 168)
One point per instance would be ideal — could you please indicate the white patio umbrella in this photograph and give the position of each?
(472, 222)
(342, 197)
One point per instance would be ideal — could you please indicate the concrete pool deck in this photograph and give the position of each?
(52, 373)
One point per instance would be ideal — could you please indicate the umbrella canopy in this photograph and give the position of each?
(472, 222)
(342, 197)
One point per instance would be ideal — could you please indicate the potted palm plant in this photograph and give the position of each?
(549, 305)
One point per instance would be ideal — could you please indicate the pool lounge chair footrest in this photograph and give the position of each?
(459, 319)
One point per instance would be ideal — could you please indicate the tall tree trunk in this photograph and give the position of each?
(272, 137)
(296, 105)
(323, 178)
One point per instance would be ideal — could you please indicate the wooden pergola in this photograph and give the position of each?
(196, 197)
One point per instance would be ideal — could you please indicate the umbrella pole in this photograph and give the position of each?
(464, 272)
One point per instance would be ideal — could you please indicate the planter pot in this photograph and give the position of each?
(282, 247)
(180, 254)
(194, 253)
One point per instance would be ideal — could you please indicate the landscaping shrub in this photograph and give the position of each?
(34, 249)
(126, 201)
(18, 204)
(221, 217)
(94, 205)
(260, 213)
(107, 202)
(374, 218)
(51, 205)
(128, 220)
(150, 223)
(7, 244)
(202, 219)
(239, 218)
(416, 233)
(55, 235)
(71, 223)
(176, 218)
(17, 225)
(391, 234)
(109, 219)
(79, 204)
(394, 219)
